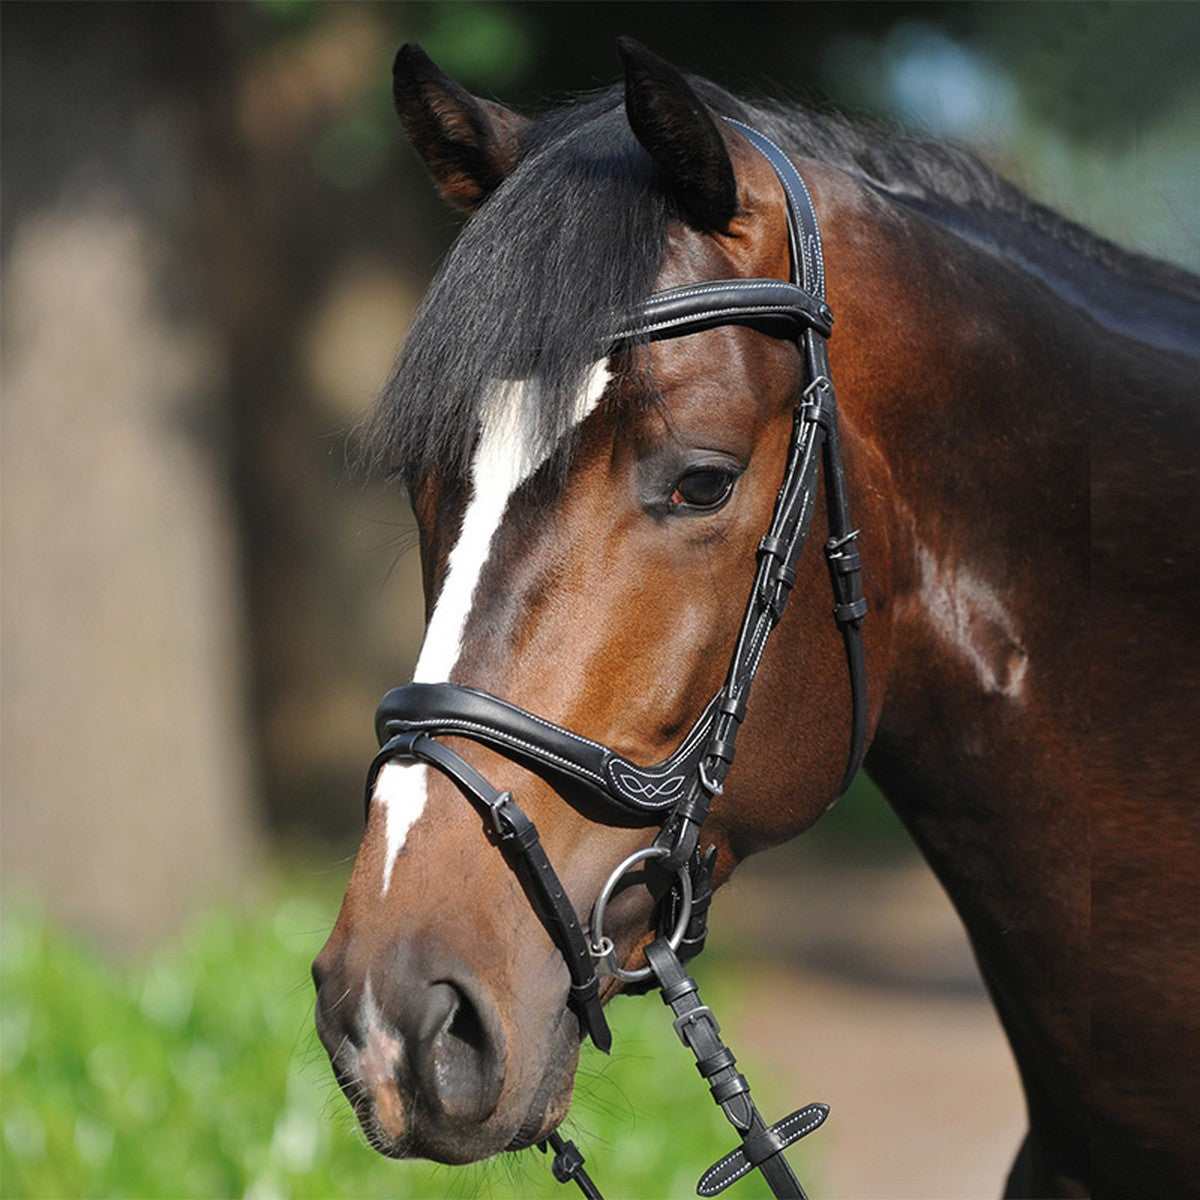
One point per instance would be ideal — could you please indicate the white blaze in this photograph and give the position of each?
(400, 791)
(504, 459)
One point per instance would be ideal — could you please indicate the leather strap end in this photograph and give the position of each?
(759, 1147)
(585, 1000)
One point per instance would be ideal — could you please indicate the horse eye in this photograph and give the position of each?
(709, 487)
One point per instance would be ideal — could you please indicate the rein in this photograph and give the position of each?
(677, 792)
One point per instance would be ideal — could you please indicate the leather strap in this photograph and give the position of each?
(804, 234)
(778, 554)
(441, 709)
(756, 1149)
(762, 1145)
(519, 840)
(772, 306)
(845, 564)
(567, 1165)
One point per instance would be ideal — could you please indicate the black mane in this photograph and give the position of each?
(574, 238)
(533, 289)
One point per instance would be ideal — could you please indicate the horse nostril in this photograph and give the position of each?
(441, 1006)
(463, 1058)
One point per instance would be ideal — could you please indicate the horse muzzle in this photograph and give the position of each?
(422, 1055)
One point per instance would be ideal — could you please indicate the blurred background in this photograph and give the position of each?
(213, 238)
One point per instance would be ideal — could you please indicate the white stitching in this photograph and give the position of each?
(815, 236)
(741, 310)
(714, 1171)
(458, 724)
(716, 285)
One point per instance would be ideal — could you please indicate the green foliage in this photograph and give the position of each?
(198, 1073)
(485, 46)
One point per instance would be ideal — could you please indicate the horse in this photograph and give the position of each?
(1016, 434)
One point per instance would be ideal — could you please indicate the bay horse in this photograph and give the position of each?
(1018, 437)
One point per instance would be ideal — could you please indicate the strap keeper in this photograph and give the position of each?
(691, 945)
(584, 998)
(814, 411)
(721, 748)
(584, 992)
(724, 1090)
(855, 610)
(783, 575)
(566, 1163)
(684, 987)
(773, 596)
(776, 547)
(717, 1061)
(758, 1147)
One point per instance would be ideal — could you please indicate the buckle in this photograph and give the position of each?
(834, 546)
(713, 786)
(501, 823)
(695, 1016)
(812, 405)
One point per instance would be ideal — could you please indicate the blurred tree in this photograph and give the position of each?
(127, 776)
(1099, 71)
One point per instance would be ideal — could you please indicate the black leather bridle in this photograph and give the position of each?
(677, 792)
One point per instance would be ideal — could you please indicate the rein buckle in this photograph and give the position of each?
(500, 823)
(703, 1013)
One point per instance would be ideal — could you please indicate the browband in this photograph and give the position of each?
(772, 306)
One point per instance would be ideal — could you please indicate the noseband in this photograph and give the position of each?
(676, 793)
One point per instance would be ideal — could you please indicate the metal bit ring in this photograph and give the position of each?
(602, 947)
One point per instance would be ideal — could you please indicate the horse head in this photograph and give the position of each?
(591, 499)
(615, 420)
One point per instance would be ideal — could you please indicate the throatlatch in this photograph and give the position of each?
(676, 793)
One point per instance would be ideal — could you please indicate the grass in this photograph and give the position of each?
(197, 1073)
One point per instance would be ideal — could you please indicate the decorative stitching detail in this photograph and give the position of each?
(705, 1187)
(810, 241)
(458, 724)
(717, 285)
(668, 789)
(695, 318)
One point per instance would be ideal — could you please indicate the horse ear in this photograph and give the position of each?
(468, 144)
(681, 135)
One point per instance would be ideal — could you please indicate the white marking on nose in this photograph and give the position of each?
(505, 458)
(969, 615)
(400, 790)
(377, 1063)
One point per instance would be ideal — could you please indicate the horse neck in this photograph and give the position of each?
(977, 404)
(1040, 470)
(1037, 730)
